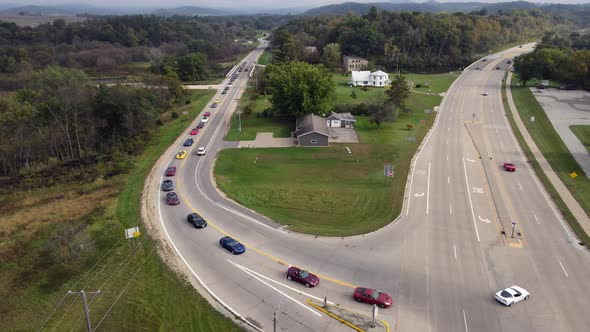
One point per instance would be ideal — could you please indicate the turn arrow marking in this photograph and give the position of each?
(484, 220)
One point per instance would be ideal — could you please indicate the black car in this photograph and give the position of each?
(214, 105)
(196, 220)
(201, 125)
(226, 88)
(189, 142)
(223, 92)
(167, 185)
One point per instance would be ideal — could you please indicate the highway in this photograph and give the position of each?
(442, 260)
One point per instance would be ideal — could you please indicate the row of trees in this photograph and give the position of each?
(554, 59)
(60, 116)
(406, 39)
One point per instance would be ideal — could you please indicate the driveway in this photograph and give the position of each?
(265, 140)
(342, 135)
(565, 108)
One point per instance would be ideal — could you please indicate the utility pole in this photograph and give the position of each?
(239, 117)
(86, 311)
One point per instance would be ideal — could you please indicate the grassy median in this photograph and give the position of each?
(583, 134)
(138, 289)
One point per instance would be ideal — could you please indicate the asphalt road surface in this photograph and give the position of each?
(442, 260)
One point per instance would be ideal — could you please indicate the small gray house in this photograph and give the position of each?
(312, 131)
(340, 120)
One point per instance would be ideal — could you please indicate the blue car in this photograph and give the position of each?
(232, 245)
(188, 142)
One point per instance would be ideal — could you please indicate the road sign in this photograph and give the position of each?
(532, 119)
(132, 232)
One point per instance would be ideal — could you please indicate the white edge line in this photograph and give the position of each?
(455, 250)
(465, 321)
(276, 289)
(278, 283)
(563, 268)
(537, 219)
(428, 190)
(470, 202)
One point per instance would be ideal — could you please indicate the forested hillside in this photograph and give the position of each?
(414, 39)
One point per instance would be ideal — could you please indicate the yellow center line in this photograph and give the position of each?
(259, 251)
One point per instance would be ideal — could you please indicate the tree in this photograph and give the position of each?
(525, 68)
(331, 56)
(398, 92)
(381, 113)
(283, 46)
(298, 88)
(192, 67)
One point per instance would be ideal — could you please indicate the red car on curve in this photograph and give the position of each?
(372, 296)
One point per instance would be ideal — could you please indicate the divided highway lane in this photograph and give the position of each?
(442, 261)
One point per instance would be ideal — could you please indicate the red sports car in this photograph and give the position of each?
(171, 171)
(207, 114)
(194, 131)
(172, 198)
(509, 167)
(302, 276)
(372, 296)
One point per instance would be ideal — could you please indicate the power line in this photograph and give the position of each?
(125, 288)
(77, 282)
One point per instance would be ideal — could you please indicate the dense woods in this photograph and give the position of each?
(562, 59)
(103, 44)
(407, 39)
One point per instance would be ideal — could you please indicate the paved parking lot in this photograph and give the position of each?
(265, 140)
(565, 108)
(342, 135)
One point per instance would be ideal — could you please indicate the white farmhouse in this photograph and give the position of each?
(366, 78)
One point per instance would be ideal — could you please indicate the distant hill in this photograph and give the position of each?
(581, 11)
(191, 11)
(38, 11)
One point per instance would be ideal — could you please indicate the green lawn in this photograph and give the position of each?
(583, 134)
(151, 296)
(551, 145)
(438, 83)
(265, 58)
(255, 123)
(326, 191)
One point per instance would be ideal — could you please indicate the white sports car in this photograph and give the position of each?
(201, 151)
(512, 295)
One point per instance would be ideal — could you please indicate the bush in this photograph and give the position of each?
(174, 115)
(353, 94)
(418, 86)
(159, 123)
(188, 101)
(410, 126)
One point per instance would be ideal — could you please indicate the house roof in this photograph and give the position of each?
(361, 75)
(352, 57)
(341, 116)
(379, 73)
(311, 123)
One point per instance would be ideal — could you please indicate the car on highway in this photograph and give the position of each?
(205, 119)
(512, 295)
(302, 276)
(509, 167)
(485, 93)
(189, 142)
(232, 245)
(498, 67)
(226, 88)
(201, 151)
(170, 171)
(196, 220)
(372, 296)
(167, 185)
(200, 125)
(181, 154)
(484, 59)
(207, 114)
(223, 92)
(194, 131)
(214, 105)
(172, 198)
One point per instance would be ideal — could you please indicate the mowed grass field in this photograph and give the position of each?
(255, 123)
(551, 145)
(326, 191)
(583, 134)
(138, 289)
(438, 83)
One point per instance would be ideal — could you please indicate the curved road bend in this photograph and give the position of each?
(442, 261)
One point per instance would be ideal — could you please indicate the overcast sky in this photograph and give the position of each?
(228, 3)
